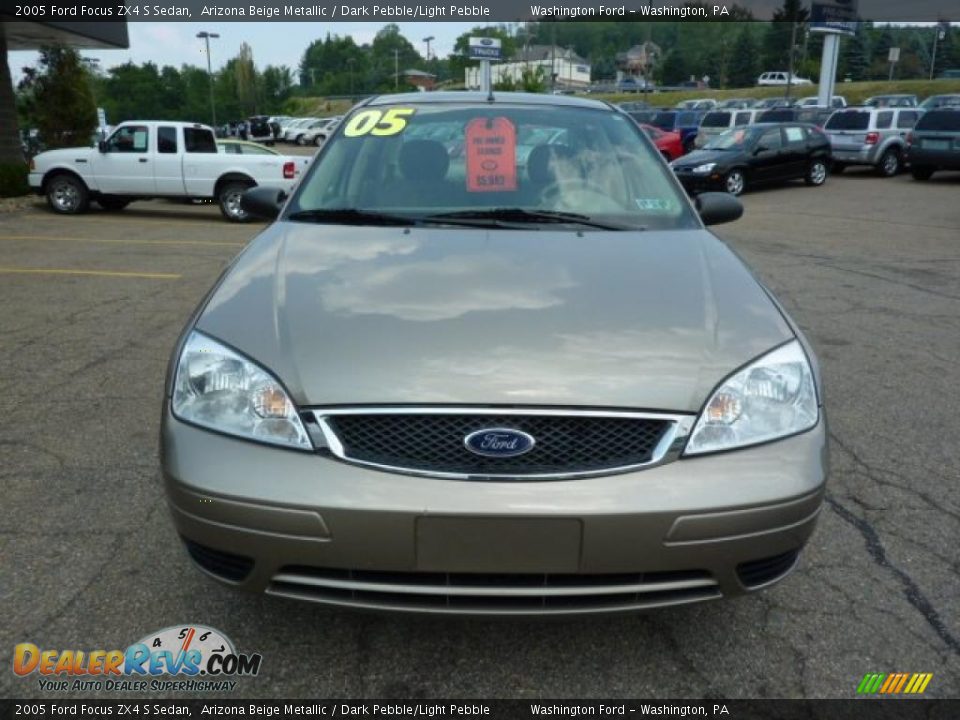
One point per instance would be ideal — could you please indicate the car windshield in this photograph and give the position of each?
(941, 101)
(735, 139)
(849, 120)
(474, 165)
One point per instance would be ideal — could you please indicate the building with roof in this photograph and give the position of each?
(561, 67)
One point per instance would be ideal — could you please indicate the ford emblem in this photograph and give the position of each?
(499, 442)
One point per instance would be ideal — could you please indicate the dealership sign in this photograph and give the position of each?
(834, 16)
(484, 48)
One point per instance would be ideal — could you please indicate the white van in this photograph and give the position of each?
(780, 78)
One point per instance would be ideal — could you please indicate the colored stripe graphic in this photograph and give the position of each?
(894, 683)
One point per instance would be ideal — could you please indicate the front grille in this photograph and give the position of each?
(760, 572)
(484, 593)
(434, 442)
(217, 562)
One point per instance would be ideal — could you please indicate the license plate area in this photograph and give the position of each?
(498, 545)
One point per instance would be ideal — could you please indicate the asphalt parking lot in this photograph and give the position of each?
(870, 268)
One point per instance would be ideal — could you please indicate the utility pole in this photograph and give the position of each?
(396, 69)
(205, 36)
(428, 40)
(939, 34)
(793, 40)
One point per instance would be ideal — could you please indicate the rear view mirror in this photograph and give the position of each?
(263, 202)
(716, 208)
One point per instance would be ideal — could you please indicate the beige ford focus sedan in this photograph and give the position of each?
(488, 360)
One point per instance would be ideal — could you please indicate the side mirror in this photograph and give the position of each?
(263, 202)
(102, 146)
(716, 208)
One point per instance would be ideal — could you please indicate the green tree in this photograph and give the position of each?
(674, 69)
(62, 104)
(13, 170)
(391, 52)
(245, 76)
(777, 47)
(743, 66)
(855, 60)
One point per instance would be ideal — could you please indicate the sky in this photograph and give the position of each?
(273, 43)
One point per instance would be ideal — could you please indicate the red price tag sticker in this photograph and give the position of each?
(491, 145)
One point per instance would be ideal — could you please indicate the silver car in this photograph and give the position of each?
(874, 136)
(449, 380)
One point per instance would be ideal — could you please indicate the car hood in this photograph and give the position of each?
(349, 315)
(699, 157)
(63, 154)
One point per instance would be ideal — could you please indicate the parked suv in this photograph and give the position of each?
(934, 144)
(717, 122)
(871, 136)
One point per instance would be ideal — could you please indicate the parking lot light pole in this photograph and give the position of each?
(428, 40)
(205, 36)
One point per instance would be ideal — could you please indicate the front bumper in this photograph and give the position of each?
(695, 183)
(305, 526)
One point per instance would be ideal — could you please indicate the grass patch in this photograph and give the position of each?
(854, 92)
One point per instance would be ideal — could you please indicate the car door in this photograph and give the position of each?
(125, 165)
(765, 160)
(794, 155)
(167, 166)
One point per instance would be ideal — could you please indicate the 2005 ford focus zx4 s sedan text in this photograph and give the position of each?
(487, 360)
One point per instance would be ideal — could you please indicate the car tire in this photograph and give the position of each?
(921, 172)
(112, 202)
(229, 200)
(319, 140)
(735, 182)
(299, 140)
(889, 164)
(816, 173)
(67, 194)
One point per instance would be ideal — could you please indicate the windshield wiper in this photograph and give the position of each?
(518, 215)
(351, 216)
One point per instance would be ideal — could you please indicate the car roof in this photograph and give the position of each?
(482, 98)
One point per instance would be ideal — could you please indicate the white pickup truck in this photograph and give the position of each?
(142, 160)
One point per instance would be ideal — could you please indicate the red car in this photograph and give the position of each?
(668, 143)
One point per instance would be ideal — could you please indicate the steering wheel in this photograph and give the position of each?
(588, 194)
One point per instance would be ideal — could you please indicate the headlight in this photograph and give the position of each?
(705, 168)
(770, 398)
(217, 388)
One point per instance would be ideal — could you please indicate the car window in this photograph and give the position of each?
(770, 140)
(129, 139)
(664, 120)
(592, 162)
(849, 120)
(940, 120)
(199, 140)
(743, 118)
(795, 135)
(907, 119)
(716, 119)
(884, 120)
(167, 139)
(230, 148)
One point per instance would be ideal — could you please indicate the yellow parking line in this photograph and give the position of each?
(99, 273)
(121, 242)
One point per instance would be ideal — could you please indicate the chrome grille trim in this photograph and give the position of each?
(667, 449)
(480, 594)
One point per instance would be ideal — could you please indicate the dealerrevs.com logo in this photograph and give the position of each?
(200, 658)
